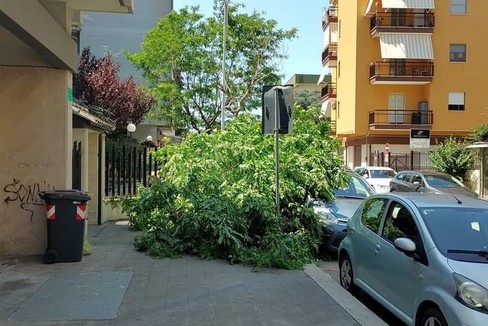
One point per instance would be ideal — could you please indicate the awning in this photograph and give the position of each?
(322, 75)
(410, 4)
(326, 108)
(406, 46)
(96, 120)
(368, 11)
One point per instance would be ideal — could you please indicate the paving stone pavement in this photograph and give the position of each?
(169, 292)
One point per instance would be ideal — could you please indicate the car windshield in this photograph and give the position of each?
(442, 181)
(382, 173)
(459, 233)
(357, 188)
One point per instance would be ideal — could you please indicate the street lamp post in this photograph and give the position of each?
(131, 128)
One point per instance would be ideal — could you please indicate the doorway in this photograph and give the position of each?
(396, 108)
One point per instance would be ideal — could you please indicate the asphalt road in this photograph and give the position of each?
(331, 267)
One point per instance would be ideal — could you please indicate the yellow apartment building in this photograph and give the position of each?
(400, 67)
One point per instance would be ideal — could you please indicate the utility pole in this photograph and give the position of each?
(224, 88)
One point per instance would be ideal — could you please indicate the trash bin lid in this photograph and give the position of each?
(68, 194)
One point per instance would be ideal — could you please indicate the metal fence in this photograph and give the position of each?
(401, 161)
(76, 165)
(126, 167)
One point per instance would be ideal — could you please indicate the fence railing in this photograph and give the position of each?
(401, 161)
(126, 167)
(76, 165)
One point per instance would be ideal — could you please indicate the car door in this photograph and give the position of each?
(396, 274)
(418, 183)
(403, 181)
(365, 237)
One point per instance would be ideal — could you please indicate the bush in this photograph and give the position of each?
(453, 157)
(215, 195)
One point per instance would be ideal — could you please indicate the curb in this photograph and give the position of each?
(358, 311)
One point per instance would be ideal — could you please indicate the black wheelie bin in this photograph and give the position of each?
(66, 211)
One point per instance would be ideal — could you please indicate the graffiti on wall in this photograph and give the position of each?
(26, 195)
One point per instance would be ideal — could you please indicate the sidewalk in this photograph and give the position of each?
(117, 285)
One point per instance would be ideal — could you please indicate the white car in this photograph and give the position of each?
(377, 176)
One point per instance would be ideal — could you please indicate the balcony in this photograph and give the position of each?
(401, 72)
(328, 92)
(400, 119)
(329, 55)
(401, 23)
(330, 16)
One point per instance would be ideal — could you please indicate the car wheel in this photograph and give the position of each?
(433, 317)
(346, 274)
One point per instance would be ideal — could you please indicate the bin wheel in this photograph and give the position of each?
(50, 257)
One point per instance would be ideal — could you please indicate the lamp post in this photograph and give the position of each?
(131, 128)
(222, 115)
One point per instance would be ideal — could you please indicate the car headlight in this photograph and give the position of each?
(470, 293)
(327, 216)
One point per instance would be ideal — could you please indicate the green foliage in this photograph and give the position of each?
(307, 98)
(480, 133)
(215, 195)
(182, 60)
(452, 156)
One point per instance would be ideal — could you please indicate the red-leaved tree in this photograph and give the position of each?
(97, 83)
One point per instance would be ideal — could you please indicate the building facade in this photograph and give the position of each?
(108, 33)
(402, 66)
(37, 60)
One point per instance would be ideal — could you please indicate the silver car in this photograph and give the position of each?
(422, 256)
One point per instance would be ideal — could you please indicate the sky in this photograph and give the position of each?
(304, 51)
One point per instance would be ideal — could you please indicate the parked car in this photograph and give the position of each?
(336, 213)
(422, 256)
(429, 181)
(377, 176)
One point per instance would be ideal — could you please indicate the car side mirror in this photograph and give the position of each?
(405, 245)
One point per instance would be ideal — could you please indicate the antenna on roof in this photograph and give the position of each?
(457, 199)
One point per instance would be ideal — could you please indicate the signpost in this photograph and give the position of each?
(387, 154)
(277, 118)
(419, 138)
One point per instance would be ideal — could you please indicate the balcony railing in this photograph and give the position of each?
(405, 22)
(329, 54)
(328, 91)
(408, 72)
(330, 16)
(400, 119)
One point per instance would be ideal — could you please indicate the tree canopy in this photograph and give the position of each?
(215, 194)
(182, 60)
(307, 98)
(96, 83)
(452, 156)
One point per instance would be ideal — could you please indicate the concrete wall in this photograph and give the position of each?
(34, 153)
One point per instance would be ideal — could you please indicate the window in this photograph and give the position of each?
(404, 176)
(456, 102)
(399, 223)
(457, 53)
(458, 7)
(372, 213)
(417, 179)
